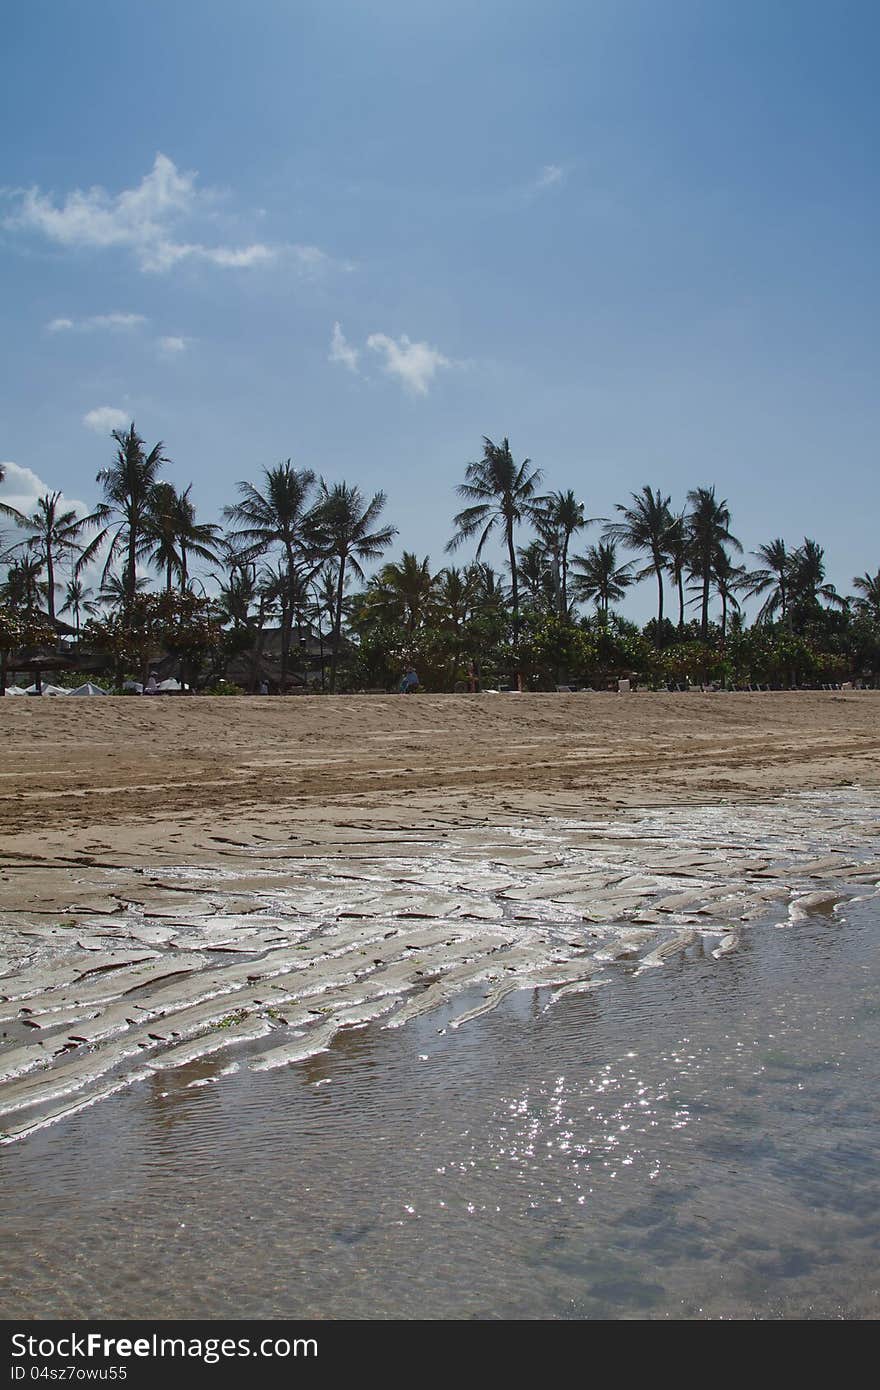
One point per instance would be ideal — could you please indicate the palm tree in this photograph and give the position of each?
(276, 516)
(340, 530)
(708, 529)
(403, 591)
(727, 579)
(676, 560)
(114, 592)
(128, 491)
(174, 534)
(772, 579)
(540, 575)
(503, 496)
(453, 598)
(807, 580)
(24, 589)
(556, 518)
(601, 578)
(54, 535)
(868, 586)
(78, 600)
(645, 527)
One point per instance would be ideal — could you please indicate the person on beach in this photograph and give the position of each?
(152, 684)
(410, 683)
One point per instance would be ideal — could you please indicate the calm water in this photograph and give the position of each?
(695, 1141)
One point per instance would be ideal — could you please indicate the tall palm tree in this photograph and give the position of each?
(772, 579)
(727, 579)
(341, 531)
(173, 534)
(807, 580)
(277, 515)
(676, 560)
(128, 489)
(868, 586)
(601, 578)
(556, 518)
(708, 529)
(53, 535)
(645, 527)
(503, 496)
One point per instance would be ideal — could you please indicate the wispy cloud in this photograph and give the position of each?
(144, 220)
(414, 364)
(342, 351)
(104, 419)
(172, 346)
(550, 175)
(115, 321)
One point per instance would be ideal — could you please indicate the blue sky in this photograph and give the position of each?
(639, 239)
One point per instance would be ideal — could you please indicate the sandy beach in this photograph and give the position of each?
(135, 771)
(246, 879)
(269, 901)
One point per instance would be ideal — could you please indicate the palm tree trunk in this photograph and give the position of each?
(565, 579)
(50, 579)
(337, 624)
(130, 570)
(515, 598)
(680, 582)
(659, 570)
(704, 614)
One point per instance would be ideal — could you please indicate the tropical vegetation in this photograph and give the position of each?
(297, 587)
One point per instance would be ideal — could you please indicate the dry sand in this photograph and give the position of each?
(145, 766)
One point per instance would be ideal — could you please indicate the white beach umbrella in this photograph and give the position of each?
(15, 690)
(88, 689)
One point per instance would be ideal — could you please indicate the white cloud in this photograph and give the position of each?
(114, 321)
(550, 174)
(341, 349)
(142, 219)
(172, 347)
(414, 364)
(104, 419)
(22, 488)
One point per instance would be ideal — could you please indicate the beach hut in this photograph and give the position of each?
(88, 689)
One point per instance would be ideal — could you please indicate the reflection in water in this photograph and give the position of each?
(694, 1141)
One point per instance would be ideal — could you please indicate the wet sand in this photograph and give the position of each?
(245, 879)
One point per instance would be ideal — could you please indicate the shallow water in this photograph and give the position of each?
(694, 1141)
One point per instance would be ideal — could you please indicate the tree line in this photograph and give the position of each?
(293, 550)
